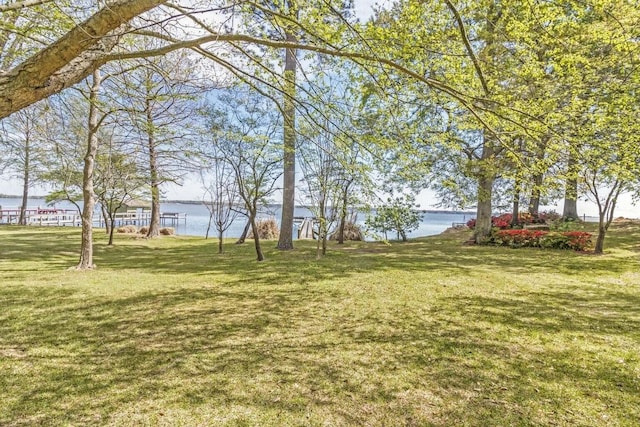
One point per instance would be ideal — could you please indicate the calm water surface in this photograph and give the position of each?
(198, 217)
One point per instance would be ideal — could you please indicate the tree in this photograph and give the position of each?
(321, 173)
(117, 180)
(161, 94)
(244, 133)
(610, 160)
(22, 140)
(88, 196)
(398, 214)
(221, 194)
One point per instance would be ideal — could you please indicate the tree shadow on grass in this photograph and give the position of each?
(278, 350)
(57, 249)
(264, 340)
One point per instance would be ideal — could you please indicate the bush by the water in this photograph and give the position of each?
(352, 231)
(167, 231)
(267, 229)
(397, 215)
(127, 229)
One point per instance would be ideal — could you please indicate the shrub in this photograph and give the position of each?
(576, 240)
(127, 229)
(503, 221)
(398, 215)
(352, 231)
(267, 229)
(519, 238)
(143, 230)
(167, 231)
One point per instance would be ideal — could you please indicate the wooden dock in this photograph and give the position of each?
(144, 218)
(71, 217)
(306, 227)
(44, 216)
(173, 218)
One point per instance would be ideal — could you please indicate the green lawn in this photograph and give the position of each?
(432, 332)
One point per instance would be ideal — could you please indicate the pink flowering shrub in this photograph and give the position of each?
(503, 221)
(519, 237)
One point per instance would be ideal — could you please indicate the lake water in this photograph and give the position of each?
(198, 217)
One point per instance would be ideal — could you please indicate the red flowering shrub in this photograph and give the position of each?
(519, 237)
(503, 221)
(578, 240)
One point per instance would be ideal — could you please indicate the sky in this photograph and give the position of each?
(192, 189)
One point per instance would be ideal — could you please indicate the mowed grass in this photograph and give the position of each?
(167, 332)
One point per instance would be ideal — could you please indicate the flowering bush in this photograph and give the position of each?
(503, 221)
(519, 238)
(576, 240)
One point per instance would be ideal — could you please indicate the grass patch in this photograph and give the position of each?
(167, 332)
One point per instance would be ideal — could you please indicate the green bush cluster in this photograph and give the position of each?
(516, 238)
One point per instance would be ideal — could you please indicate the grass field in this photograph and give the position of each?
(166, 332)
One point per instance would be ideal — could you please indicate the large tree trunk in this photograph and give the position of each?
(86, 248)
(154, 224)
(570, 209)
(285, 241)
(69, 59)
(486, 178)
(515, 211)
(538, 178)
(484, 209)
(25, 181)
(534, 201)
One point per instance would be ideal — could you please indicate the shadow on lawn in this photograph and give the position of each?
(78, 359)
(279, 349)
(60, 248)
